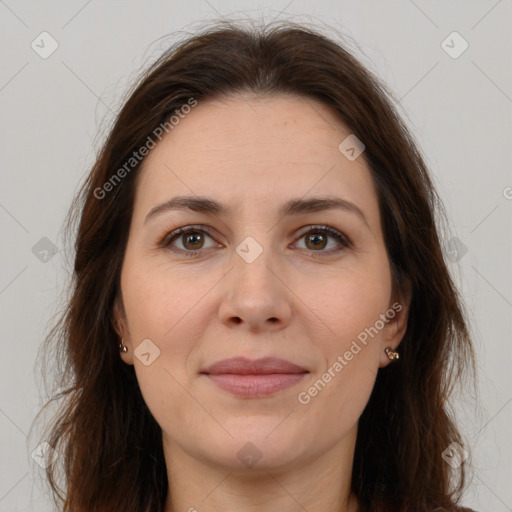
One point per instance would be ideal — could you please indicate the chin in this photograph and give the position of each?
(257, 443)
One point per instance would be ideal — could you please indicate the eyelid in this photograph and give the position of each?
(166, 241)
(342, 239)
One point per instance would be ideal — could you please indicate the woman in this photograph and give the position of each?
(261, 317)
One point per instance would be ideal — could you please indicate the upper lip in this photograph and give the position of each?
(245, 366)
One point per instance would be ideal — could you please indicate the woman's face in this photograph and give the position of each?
(255, 275)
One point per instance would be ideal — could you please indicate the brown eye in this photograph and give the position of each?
(316, 240)
(188, 241)
(193, 240)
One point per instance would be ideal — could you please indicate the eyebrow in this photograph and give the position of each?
(293, 207)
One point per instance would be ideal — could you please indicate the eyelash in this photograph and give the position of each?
(168, 239)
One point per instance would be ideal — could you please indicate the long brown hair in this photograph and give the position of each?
(110, 446)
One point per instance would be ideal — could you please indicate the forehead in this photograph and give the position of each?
(248, 125)
(247, 149)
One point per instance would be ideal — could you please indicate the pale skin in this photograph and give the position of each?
(298, 301)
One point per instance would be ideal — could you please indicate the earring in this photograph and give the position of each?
(391, 354)
(122, 346)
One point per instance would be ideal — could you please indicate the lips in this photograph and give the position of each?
(244, 366)
(248, 378)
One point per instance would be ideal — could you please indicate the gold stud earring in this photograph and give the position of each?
(122, 346)
(391, 354)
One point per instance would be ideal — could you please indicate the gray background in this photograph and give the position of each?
(55, 111)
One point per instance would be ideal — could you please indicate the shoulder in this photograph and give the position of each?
(388, 508)
(456, 509)
(463, 509)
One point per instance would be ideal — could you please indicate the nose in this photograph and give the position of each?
(255, 296)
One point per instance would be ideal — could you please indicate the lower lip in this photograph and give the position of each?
(253, 386)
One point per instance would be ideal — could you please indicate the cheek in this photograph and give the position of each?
(166, 308)
(159, 300)
(348, 343)
(350, 305)
(346, 304)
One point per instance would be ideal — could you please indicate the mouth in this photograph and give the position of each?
(248, 378)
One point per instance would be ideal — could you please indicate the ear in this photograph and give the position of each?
(121, 327)
(396, 326)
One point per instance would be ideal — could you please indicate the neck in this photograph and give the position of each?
(316, 483)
